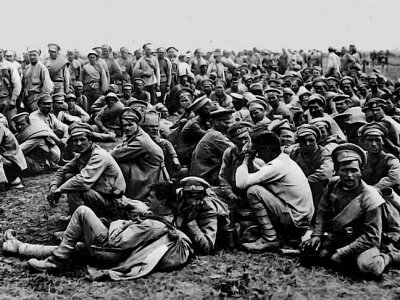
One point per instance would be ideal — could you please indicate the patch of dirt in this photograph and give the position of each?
(225, 275)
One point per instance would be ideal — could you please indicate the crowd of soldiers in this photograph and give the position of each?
(209, 150)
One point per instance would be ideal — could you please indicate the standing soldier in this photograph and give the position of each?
(58, 69)
(36, 80)
(10, 87)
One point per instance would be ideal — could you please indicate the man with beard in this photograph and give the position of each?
(92, 178)
(36, 81)
(207, 156)
(382, 170)
(314, 160)
(58, 69)
(141, 160)
(127, 94)
(139, 92)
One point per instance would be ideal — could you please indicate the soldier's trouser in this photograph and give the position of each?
(54, 152)
(272, 214)
(102, 207)
(92, 95)
(8, 111)
(8, 170)
(373, 262)
(152, 90)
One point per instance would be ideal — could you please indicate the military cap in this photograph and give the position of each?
(372, 76)
(340, 98)
(206, 81)
(220, 82)
(257, 104)
(317, 98)
(279, 125)
(172, 47)
(375, 102)
(193, 183)
(54, 47)
(160, 107)
(319, 80)
(127, 86)
(248, 77)
(304, 93)
(43, 98)
(235, 79)
(34, 49)
(129, 113)
(199, 103)
(113, 88)
(138, 103)
(347, 80)
(123, 49)
(70, 96)
(237, 96)
(78, 83)
(248, 96)
(287, 77)
(321, 120)
(111, 95)
(151, 117)
(332, 79)
(58, 97)
(92, 53)
(222, 114)
(184, 90)
(78, 128)
(307, 129)
(202, 63)
(348, 152)
(288, 91)
(238, 129)
(139, 80)
(105, 46)
(374, 129)
(256, 86)
(273, 90)
(18, 117)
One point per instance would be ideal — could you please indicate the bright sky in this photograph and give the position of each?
(210, 24)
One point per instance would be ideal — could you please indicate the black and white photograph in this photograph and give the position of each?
(207, 149)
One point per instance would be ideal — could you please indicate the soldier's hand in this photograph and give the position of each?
(336, 258)
(312, 244)
(54, 197)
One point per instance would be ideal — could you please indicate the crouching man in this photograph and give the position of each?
(350, 217)
(278, 193)
(93, 178)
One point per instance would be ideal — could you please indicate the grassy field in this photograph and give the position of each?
(233, 274)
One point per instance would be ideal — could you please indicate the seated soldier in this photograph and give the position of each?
(258, 109)
(382, 170)
(278, 107)
(81, 100)
(108, 119)
(38, 143)
(207, 156)
(127, 94)
(101, 101)
(60, 109)
(349, 224)
(278, 193)
(327, 140)
(200, 214)
(314, 160)
(139, 92)
(193, 131)
(151, 124)
(12, 160)
(241, 111)
(125, 250)
(92, 178)
(286, 133)
(44, 115)
(141, 160)
(232, 158)
(75, 110)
